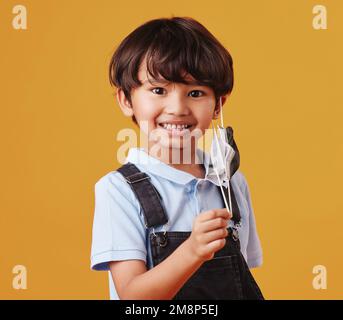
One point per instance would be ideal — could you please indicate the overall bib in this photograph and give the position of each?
(226, 276)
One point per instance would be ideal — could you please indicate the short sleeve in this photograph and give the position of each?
(254, 249)
(118, 230)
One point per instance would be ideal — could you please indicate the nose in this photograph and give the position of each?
(176, 104)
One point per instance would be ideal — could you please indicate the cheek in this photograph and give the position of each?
(151, 116)
(204, 116)
(145, 108)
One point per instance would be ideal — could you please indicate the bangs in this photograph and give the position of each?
(171, 49)
(174, 53)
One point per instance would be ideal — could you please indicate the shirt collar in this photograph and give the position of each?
(153, 165)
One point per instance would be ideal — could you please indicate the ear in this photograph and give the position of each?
(216, 112)
(124, 103)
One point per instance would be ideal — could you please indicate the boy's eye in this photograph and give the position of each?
(197, 91)
(159, 90)
(194, 93)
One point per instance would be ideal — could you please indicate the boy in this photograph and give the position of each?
(160, 228)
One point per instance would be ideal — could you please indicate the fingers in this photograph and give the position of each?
(216, 245)
(215, 213)
(209, 232)
(217, 223)
(215, 235)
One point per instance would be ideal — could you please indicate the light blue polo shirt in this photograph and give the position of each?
(119, 232)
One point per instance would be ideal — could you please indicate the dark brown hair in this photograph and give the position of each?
(172, 46)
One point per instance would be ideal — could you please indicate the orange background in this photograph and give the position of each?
(59, 122)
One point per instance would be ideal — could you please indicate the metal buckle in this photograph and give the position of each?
(238, 225)
(165, 229)
(164, 242)
(135, 174)
(235, 234)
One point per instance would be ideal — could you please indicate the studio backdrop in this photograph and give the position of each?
(60, 123)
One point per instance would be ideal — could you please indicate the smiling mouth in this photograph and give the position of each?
(175, 127)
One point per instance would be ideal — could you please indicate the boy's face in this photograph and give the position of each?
(161, 105)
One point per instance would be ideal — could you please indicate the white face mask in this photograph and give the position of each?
(218, 168)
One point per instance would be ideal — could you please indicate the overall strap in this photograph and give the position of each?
(147, 195)
(236, 215)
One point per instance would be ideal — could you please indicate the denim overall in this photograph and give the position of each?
(226, 276)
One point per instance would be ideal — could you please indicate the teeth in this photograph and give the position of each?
(169, 126)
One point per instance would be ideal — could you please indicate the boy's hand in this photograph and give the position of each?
(209, 233)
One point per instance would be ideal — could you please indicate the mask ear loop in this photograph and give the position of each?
(222, 125)
(216, 171)
(228, 208)
(221, 112)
